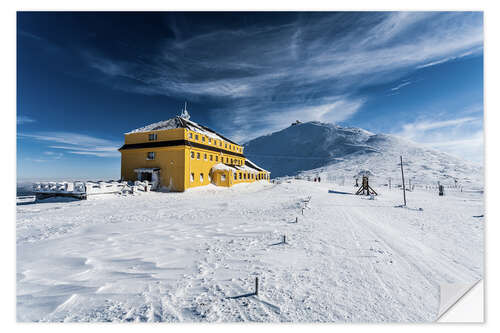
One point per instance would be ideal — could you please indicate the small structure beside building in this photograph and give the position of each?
(177, 154)
(83, 189)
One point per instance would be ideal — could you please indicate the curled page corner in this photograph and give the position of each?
(451, 294)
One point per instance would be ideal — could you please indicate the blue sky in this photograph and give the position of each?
(84, 79)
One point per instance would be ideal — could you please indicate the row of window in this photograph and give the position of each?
(201, 177)
(205, 139)
(237, 176)
(224, 159)
(210, 157)
(243, 175)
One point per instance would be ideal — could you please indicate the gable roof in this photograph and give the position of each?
(179, 122)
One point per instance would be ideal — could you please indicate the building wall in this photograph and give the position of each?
(200, 161)
(182, 166)
(212, 142)
(169, 159)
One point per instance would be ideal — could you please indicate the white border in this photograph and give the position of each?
(8, 169)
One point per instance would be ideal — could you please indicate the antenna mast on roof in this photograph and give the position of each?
(185, 113)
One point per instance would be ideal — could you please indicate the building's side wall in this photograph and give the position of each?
(200, 161)
(212, 142)
(169, 159)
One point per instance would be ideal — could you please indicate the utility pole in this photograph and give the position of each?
(403, 177)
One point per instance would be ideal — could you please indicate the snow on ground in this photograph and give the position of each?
(182, 256)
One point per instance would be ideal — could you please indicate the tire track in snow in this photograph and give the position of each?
(384, 286)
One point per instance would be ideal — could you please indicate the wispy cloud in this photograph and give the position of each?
(441, 61)
(75, 143)
(460, 136)
(256, 69)
(54, 155)
(24, 120)
(401, 85)
(415, 129)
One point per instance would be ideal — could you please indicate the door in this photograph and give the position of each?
(155, 179)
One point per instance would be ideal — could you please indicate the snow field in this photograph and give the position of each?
(182, 256)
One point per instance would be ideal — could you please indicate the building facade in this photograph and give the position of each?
(178, 154)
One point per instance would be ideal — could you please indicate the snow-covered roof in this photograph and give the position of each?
(254, 166)
(247, 169)
(224, 167)
(180, 122)
(234, 168)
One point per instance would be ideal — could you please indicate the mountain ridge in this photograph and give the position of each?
(315, 147)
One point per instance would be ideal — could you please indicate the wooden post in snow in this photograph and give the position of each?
(256, 286)
(403, 177)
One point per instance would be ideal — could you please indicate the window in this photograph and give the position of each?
(234, 175)
(192, 154)
(240, 175)
(216, 158)
(220, 143)
(211, 157)
(152, 137)
(198, 155)
(223, 178)
(209, 140)
(203, 138)
(201, 178)
(151, 156)
(231, 161)
(190, 135)
(252, 175)
(196, 136)
(205, 157)
(225, 145)
(192, 177)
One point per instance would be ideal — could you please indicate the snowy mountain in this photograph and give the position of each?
(335, 152)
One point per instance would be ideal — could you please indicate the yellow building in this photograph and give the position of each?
(178, 154)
